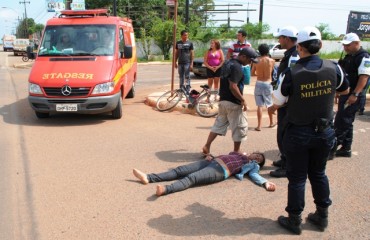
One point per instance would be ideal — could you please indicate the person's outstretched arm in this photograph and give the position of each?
(258, 179)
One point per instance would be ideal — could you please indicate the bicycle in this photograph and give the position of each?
(205, 102)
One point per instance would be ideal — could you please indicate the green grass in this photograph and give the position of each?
(332, 55)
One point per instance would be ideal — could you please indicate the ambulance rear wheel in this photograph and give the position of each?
(42, 115)
(117, 112)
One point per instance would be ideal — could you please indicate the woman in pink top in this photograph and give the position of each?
(213, 60)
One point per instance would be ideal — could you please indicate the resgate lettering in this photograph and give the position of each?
(86, 76)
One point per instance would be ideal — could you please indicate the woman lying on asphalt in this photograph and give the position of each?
(210, 170)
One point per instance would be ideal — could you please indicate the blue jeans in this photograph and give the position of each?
(306, 154)
(197, 173)
(343, 123)
(184, 74)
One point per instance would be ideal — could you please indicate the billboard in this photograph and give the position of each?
(359, 23)
(55, 5)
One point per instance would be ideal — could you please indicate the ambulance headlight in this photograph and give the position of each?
(103, 88)
(34, 88)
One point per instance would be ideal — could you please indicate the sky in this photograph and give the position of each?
(276, 13)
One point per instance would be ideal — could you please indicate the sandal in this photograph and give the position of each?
(273, 125)
(257, 129)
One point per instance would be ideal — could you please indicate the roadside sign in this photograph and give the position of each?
(170, 2)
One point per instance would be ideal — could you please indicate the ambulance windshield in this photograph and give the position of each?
(78, 40)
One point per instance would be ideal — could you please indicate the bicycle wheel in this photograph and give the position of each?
(169, 100)
(207, 105)
(25, 59)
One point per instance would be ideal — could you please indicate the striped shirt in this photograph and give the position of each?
(234, 161)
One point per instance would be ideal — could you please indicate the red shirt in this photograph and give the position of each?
(237, 47)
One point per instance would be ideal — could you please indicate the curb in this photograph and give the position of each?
(23, 65)
(152, 98)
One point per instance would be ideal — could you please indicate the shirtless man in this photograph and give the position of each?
(263, 88)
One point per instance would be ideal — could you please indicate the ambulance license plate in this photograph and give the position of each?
(66, 107)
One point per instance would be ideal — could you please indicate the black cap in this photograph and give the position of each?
(251, 53)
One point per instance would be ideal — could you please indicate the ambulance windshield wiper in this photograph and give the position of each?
(85, 54)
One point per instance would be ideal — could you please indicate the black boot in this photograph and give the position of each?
(292, 223)
(319, 218)
(343, 152)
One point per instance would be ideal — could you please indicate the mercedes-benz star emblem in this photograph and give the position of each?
(66, 90)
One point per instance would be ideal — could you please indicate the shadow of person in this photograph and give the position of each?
(203, 221)
(179, 155)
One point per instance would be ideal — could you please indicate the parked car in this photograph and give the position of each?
(20, 46)
(199, 69)
(276, 52)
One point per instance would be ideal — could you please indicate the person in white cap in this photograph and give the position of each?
(288, 39)
(357, 65)
(308, 90)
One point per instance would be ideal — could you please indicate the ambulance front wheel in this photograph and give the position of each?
(117, 112)
(41, 114)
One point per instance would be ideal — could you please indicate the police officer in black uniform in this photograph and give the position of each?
(309, 89)
(357, 65)
(287, 38)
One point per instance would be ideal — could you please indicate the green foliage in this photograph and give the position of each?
(325, 31)
(332, 55)
(145, 41)
(162, 33)
(255, 30)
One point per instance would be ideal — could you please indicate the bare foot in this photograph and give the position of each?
(270, 186)
(160, 190)
(141, 176)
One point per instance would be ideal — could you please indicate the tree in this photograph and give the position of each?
(145, 41)
(325, 31)
(256, 30)
(162, 33)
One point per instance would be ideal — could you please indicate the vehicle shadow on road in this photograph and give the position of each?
(178, 155)
(203, 221)
(20, 113)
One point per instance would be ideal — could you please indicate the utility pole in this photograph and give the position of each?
(187, 14)
(229, 11)
(114, 7)
(25, 15)
(261, 11)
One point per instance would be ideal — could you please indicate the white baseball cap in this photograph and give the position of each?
(288, 31)
(350, 37)
(307, 34)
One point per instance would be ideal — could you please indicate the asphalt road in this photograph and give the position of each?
(70, 176)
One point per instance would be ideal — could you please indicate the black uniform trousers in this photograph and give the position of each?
(344, 119)
(306, 154)
(281, 113)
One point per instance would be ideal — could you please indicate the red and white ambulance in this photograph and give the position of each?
(86, 64)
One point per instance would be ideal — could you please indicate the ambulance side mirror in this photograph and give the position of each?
(127, 52)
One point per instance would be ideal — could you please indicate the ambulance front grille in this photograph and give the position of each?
(75, 92)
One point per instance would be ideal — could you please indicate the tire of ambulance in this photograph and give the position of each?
(131, 93)
(42, 114)
(117, 112)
